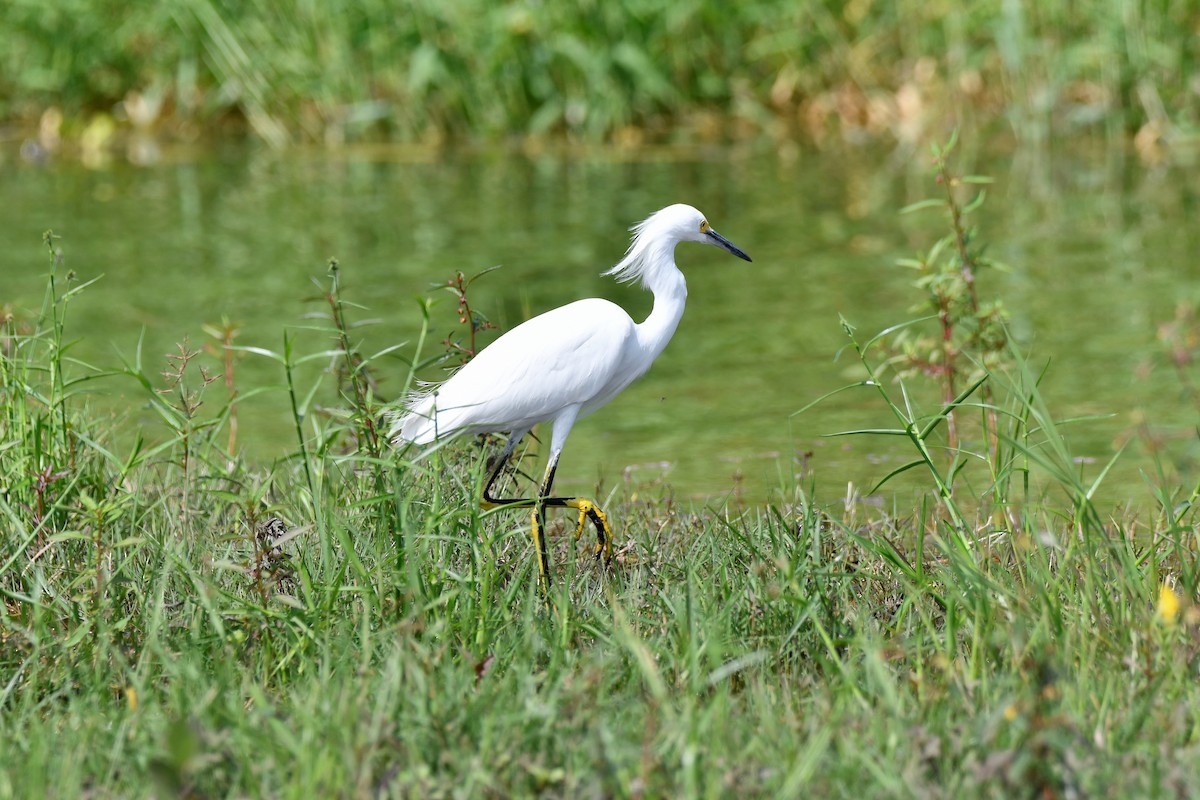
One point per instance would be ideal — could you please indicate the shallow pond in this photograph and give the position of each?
(1101, 250)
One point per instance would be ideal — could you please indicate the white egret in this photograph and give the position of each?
(562, 365)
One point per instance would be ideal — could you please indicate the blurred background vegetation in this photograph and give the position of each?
(88, 73)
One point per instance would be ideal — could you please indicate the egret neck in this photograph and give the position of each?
(670, 295)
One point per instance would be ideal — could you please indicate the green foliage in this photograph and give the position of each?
(969, 339)
(963, 348)
(468, 69)
(970, 336)
(346, 622)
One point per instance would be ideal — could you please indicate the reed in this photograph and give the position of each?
(627, 71)
(346, 622)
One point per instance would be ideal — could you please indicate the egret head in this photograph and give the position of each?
(655, 237)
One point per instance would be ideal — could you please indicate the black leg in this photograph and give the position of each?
(498, 467)
(539, 521)
(587, 510)
(539, 508)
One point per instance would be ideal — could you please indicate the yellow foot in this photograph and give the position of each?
(589, 510)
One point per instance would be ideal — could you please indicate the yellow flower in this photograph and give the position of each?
(1168, 605)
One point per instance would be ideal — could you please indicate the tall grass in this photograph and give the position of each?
(626, 71)
(346, 622)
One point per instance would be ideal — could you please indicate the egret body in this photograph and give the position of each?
(564, 364)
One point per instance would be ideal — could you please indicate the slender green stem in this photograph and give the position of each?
(297, 414)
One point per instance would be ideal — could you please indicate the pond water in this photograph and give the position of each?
(1101, 250)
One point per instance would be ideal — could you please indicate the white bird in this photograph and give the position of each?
(564, 364)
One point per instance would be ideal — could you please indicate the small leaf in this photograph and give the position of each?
(976, 203)
(869, 432)
(894, 473)
(932, 202)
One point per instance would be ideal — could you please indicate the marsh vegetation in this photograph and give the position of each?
(966, 565)
(344, 620)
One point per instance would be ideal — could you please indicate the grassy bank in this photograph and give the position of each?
(630, 71)
(346, 622)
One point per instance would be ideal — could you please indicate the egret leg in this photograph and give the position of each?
(539, 521)
(539, 509)
(490, 502)
(588, 510)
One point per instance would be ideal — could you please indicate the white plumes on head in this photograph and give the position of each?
(652, 248)
(630, 268)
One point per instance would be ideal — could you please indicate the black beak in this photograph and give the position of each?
(723, 243)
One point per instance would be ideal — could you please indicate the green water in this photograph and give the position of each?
(1101, 250)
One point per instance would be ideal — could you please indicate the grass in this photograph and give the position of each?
(346, 622)
(628, 71)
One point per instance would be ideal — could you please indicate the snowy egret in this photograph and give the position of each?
(561, 366)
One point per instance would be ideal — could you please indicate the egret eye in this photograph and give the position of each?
(704, 226)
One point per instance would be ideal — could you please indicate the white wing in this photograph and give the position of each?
(568, 356)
